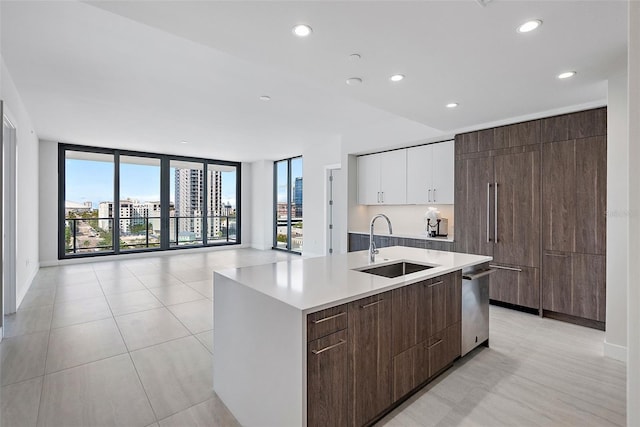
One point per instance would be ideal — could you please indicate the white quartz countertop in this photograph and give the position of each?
(312, 284)
(422, 236)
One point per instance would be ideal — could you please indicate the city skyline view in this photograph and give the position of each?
(135, 183)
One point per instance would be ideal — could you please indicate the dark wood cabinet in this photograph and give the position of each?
(497, 213)
(518, 285)
(516, 231)
(443, 347)
(327, 387)
(474, 178)
(533, 196)
(370, 357)
(574, 216)
(574, 284)
(575, 195)
(426, 333)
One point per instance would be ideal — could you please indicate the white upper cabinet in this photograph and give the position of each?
(382, 178)
(430, 174)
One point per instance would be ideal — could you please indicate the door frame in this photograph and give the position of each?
(9, 214)
(329, 212)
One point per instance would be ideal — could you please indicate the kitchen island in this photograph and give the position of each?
(318, 341)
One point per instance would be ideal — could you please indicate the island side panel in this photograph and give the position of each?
(259, 352)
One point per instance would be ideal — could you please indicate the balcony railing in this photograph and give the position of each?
(86, 235)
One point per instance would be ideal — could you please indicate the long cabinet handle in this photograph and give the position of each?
(559, 255)
(378, 197)
(371, 304)
(429, 195)
(322, 350)
(382, 196)
(500, 267)
(436, 283)
(495, 213)
(434, 194)
(342, 313)
(488, 215)
(436, 343)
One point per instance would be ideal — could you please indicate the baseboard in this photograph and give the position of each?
(615, 351)
(69, 261)
(32, 275)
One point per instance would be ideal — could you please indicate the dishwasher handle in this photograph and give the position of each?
(479, 274)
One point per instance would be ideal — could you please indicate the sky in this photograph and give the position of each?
(296, 171)
(88, 180)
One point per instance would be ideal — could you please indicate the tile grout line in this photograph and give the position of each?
(46, 356)
(155, 416)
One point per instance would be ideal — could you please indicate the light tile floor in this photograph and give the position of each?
(118, 343)
(129, 343)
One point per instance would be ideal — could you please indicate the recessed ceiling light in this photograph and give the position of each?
(396, 77)
(354, 81)
(529, 26)
(566, 74)
(183, 142)
(355, 56)
(452, 105)
(302, 30)
(265, 98)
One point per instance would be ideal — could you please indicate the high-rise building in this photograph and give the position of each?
(189, 201)
(297, 198)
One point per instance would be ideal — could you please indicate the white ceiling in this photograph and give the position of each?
(147, 74)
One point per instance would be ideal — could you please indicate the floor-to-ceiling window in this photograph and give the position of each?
(288, 227)
(116, 201)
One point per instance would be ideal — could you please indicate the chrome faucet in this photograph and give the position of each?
(372, 246)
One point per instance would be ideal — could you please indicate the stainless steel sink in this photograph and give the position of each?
(395, 270)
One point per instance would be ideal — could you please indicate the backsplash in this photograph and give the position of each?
(405, 219)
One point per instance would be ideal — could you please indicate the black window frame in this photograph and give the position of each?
(289, 202)
(165, 182)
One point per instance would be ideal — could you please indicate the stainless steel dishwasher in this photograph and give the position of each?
(475, 307)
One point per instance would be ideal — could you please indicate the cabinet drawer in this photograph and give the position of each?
(443, 348)
(327, 387)
(325, 322)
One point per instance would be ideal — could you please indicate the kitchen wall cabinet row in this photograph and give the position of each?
(365, 356)
(533, 196)
(415, 175)
(360, 242)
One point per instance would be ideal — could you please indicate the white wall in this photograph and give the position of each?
(633, 299)
(48, 167)
(261, 209)
(26, 185)
(406, 220)
(617, 216)
(314, 166)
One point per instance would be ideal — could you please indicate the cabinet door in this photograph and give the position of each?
(517, 198)
(518, 285)
(369, 179)
(558, 196)
(419, 173)
(404, 306)
(444, 348)
(445, 298)
(443, 173)
(557, 280)
(473, 221)
(589, 290)
(393, 177)
(327, 388)
(591, 195)
(369, 357)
